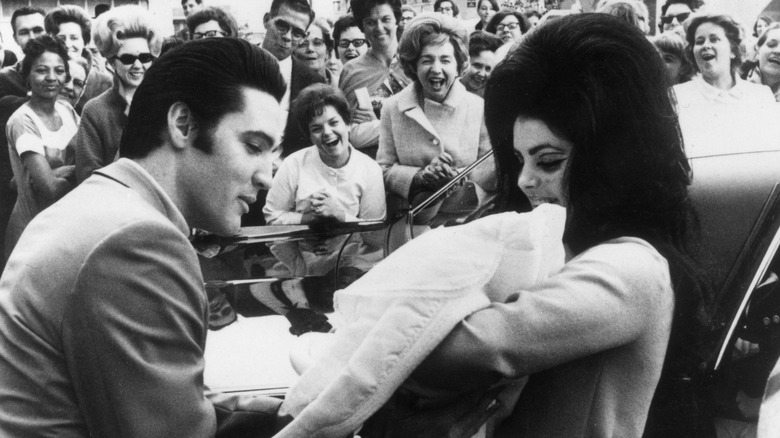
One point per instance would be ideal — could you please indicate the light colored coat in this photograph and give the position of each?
(409, 138)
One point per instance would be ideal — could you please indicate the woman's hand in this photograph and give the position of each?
(362, 115)
(66, 172)
(325, 207)
(439, 170)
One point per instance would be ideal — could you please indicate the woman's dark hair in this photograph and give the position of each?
(311, 102)
(341, 25)
(584, 76)
(533, 13)
(730, 27)
(210, 13)
(427, 29)
(437, 6)
(68, 14)
(362, 8)
(479, 41)
(493, 6)
(766, 19)
(208, 76)
(500, 15)
(37, 47)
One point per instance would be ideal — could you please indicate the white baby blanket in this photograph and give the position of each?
(397, 313)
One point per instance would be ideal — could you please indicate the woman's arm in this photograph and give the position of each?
(279, 206)
(605, 298)
(48, 184)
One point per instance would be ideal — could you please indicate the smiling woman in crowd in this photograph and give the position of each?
(350, 40)
(485, 9)
(38, 135)
(328, 182)
(73, 26)
(129, 40)
(211, 22)
(434, 127)
(508, 25)
(714, 45)
(765, 69)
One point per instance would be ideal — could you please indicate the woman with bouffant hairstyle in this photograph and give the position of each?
(129, 39)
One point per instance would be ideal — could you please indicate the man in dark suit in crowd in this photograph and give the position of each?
(103, 312)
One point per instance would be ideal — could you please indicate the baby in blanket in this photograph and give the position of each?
(389, 320)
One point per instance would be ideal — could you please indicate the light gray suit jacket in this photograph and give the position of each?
(103, 319)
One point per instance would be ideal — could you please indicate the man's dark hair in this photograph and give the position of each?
(311, 102)
(69, 14)
(37, 47)
(23, 12)
(361, 9)
(208, 76)
(196, 1)
(479, 41)
(226, 21)
(301, 6)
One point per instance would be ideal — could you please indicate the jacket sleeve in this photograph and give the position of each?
(398, 177)
(603, 299)
(134, 336)
(88, 145)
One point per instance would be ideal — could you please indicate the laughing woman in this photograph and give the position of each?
(38, 135)
(714, 45)
(434, 127)
(328, 182)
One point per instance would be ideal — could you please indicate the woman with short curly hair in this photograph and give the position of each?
(434, 127)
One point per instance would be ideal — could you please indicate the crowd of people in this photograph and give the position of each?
(344, 121)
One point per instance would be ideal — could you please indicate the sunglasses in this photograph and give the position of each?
(358, 42)
(667, 19)
(510, 26)
(128, 59)
(209, 34)
(283, 27)
(79, 83)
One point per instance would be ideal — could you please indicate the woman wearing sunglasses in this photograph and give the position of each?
(38, 135)
(127, 36)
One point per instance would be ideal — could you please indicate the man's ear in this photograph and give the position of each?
(182, 125)
(266, 17)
